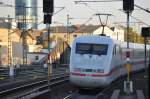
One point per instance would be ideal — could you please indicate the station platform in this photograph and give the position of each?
(140, 87)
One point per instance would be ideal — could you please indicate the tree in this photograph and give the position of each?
(134, 37)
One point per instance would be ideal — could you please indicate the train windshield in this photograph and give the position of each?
(86, 48)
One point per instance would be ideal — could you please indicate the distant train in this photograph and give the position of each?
(96, 61)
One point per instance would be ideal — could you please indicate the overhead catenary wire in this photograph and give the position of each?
(41, 22)
(81, 1)
(136, 19)
(142, 8)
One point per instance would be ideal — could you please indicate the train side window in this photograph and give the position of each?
(114, 50)
(120, 50)
(117, 49)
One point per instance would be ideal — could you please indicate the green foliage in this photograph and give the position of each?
(134, 37)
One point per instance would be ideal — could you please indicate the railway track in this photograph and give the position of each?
(92, 95)
(28, 72)
(31, 90)
(102, 94)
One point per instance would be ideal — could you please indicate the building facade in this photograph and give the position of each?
(16, 48)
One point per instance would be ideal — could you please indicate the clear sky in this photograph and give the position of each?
(86, 11)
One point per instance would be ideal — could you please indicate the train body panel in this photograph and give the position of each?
(96, 61)
(89, 81)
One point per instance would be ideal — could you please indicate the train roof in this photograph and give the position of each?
(106, 40)
(133, 45)
(94, 39)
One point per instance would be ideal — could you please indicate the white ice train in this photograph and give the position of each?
(96, 61)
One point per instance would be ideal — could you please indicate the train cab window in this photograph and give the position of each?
(114, 50)
(100, 49)
(83, 48)
(117, 49)
(97, 49)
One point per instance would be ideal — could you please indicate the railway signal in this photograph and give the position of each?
(128, 5)
(146, 31)
(48, 6)
(128, 85)
(146, 34)
(128, 67)
(47, 18)
(48, 9)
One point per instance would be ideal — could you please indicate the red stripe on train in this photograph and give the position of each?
(92, 75)
(101, 75)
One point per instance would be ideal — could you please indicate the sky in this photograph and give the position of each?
(85, 11)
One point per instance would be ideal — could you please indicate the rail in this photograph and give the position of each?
(33, 87)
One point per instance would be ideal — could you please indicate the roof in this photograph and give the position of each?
(74, 28)
(42, 53)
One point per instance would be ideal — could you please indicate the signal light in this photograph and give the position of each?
(146, 31)
(48, 6)
(47, 19)
(128, 5)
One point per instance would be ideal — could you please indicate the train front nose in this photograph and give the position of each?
(88, 81)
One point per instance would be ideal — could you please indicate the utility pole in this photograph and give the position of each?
(68, 28)
(9, 43)
(68, 34)
(24, 42)
(10, 65)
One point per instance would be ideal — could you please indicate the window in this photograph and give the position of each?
(36, 57)
(86, 48)
(117, 49)
(74, 36)
(114, 50)
(83, 48)
(100, 49)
